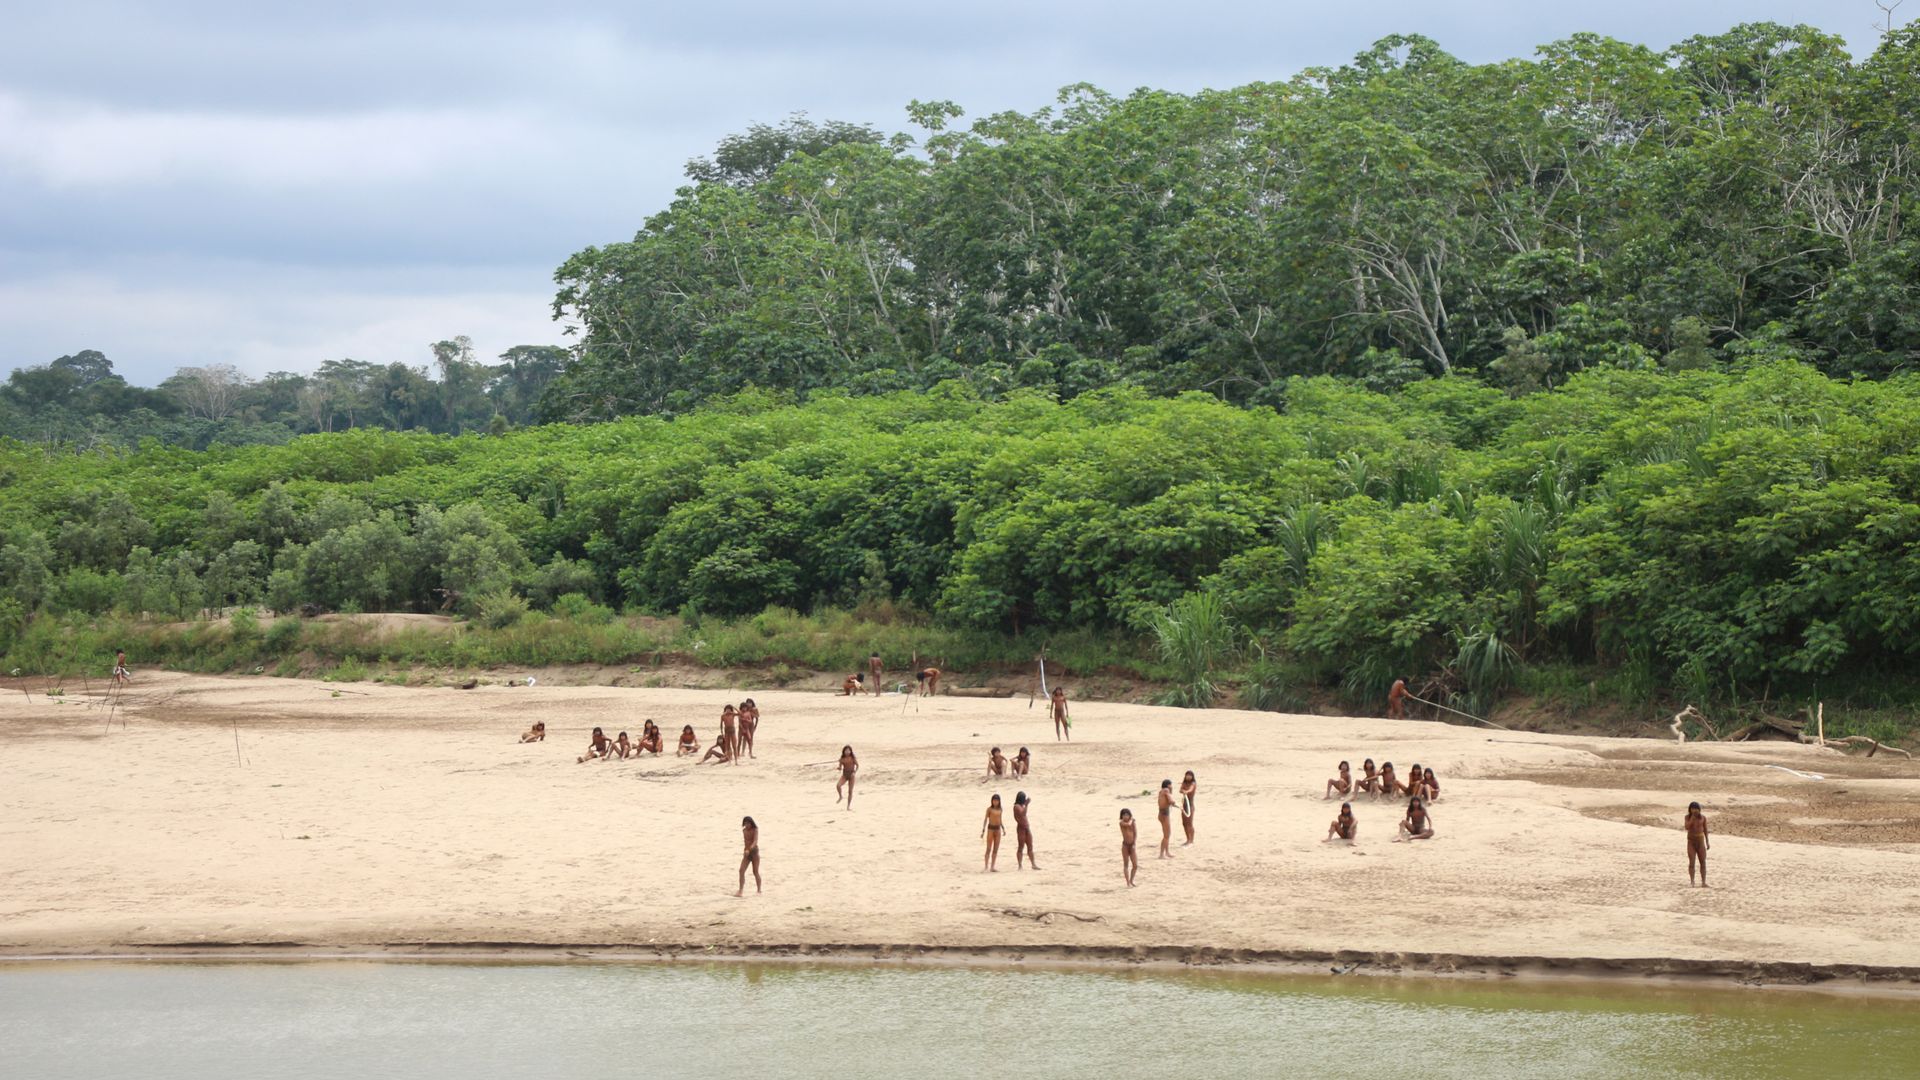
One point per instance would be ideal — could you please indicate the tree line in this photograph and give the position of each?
(79, 399)
(1403, 217)
(1742, 532)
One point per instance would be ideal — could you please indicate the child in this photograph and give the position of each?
(990, 828)
(750, 836)
(1062, 725)
(621, 747)
(851, 685)
(1418, 824)
(1431, 785)
(597, 747)
(121, 672)
(729, 736)
(1022, 762)
(1369, 783)
(1129, 859)
(537, 733)
(1342, 783)
(996, 763)
(1696, 842)
(749, 722)
(722, 748)
(650, 740)
(689, 742)
(1344, 827)
(1390, 785)
(1165, 804)
(848, 766)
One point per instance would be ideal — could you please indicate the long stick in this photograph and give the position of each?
(1820, 718)
(236, 738)
(1457, 712)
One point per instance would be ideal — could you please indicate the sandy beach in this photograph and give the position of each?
(365, 816)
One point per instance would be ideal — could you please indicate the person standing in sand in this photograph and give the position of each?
(749, 718)
(874, 668)
(1397, 700)
(597, 747)
(1342, 784)
(1418, 824)
(848, 766)
(1189, 787)
(537, 733)
(1129, 857)
(1062, 724)
(991, 828)
(729, 734)
(121, 672)
(750, 837)
(1344, 827)
(1696, 842)
(1165, 803)
(689, 742)
(1022, 835)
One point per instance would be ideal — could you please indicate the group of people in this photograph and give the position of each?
(926, 680)
(735, 739)
(1420, 789)
(999, 765)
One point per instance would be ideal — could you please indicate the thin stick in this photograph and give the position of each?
(236, 738)
(1820, 719)
(1457, 712)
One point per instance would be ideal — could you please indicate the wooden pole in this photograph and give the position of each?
(1820, 720)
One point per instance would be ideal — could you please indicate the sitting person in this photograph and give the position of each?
(722, 749)
(1022, 762)
(622, 748)
(996, 763)
(537, 733)
(1418, 824)
(650, 741)
(689, 742)
(1343, 784)
(1344, 827)
(853, 684)
(1370, 782)
(1430, 785)
(599, 746)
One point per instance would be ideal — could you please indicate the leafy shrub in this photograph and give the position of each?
(499, 608)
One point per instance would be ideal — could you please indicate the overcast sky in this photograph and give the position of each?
(232, 182)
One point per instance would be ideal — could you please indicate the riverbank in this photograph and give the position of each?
(295, 817)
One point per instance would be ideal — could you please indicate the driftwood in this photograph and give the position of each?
(1689, 713)
(978, 691)
(1874, 745)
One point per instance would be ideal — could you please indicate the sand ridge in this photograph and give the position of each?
(369, 815)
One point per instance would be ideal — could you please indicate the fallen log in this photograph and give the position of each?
(978, 691)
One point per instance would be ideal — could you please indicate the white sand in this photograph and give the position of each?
(389, 815)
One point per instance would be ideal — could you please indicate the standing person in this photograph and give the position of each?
(1062, 726)
(991, 828)
(929, 679)
(1342, 783)
(1022, 835)
(1189, 787)
(874, 669)
(749, 718)
(729, 734)
(1696, 842)
(1344, 827)
(1418, 824)
(1129, 858)
(1397, 700)
(597, 747)
(1022, 762)
(1165, 803)
(121, 672)
(749, 836)
(848, 766)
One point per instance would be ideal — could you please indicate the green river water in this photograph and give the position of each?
(472, 1021)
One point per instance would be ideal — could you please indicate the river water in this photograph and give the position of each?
(282, 1021)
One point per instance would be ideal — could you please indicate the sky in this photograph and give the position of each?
(275, 185)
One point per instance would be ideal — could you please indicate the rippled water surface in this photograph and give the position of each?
(465, 1022)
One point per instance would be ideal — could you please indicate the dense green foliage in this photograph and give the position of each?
(1408, 215)
(1727, 533)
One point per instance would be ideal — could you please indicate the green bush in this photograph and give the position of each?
(499, 608)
